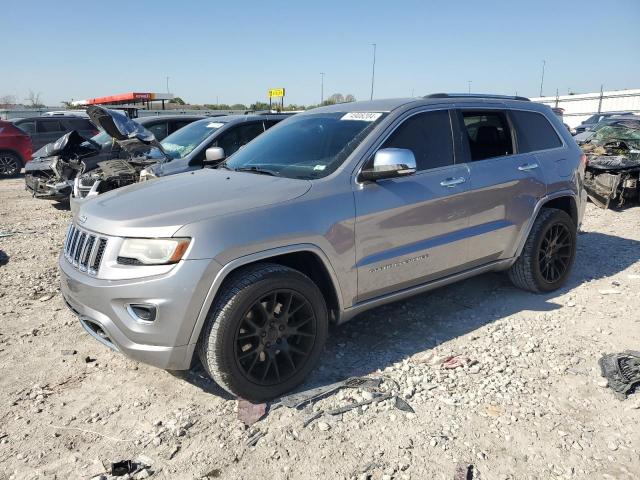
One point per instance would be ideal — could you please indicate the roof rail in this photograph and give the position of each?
(477, 95)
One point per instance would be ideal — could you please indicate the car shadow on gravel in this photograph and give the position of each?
(381, 337)
(389, 334)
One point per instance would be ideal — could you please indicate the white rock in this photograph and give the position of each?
(323, 426)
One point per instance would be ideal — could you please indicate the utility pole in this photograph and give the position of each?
(373, 69)
(544, 62)
(321, 88)
(469, 84)
(167, 84)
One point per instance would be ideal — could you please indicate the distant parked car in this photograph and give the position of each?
(72, 113)
(51, 173)
(593, 120)
(205, 142)
(43, 130)
(15, 149)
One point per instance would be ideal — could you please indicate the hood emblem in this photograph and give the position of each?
(82, 218)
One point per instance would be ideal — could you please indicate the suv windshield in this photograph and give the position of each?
(306, 146)
(182, 142)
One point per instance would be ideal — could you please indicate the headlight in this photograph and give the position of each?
(146, 174)
(152, 251)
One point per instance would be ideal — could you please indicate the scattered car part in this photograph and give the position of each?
(622, 371)
(465, 471)
(127, 467)
(301, 399)
(253, 439)
(4, 258)
(380, 397)
(249, 413)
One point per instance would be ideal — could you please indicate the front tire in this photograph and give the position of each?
(548, 253)
(265, 332)
(10, 164)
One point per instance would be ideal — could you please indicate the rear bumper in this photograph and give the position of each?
(101, 307)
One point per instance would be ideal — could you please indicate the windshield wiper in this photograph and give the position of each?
(224, 165)
(260, 171)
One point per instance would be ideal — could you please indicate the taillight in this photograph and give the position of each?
(583, 160)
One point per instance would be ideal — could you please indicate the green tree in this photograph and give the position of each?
(177, 100)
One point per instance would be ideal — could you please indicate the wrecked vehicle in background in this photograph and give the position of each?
(204, 142)
(613, 163)
(54, 167)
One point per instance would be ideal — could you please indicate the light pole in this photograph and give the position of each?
(469, 85)
(321, 88)
(167, 84)
(542, 79)
(373, 69)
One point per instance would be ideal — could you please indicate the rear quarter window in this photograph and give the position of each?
(534, 132)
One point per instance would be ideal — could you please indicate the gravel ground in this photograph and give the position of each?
(525, 400)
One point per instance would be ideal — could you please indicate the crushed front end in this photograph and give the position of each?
(612, 176)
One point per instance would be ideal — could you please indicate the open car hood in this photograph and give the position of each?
(130, 135)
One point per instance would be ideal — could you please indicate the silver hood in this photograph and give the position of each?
(158, 208)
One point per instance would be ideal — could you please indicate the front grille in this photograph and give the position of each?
(84, 250)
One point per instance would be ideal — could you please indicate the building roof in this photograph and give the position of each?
(125, 98)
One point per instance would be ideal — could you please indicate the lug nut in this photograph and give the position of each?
(281, 328)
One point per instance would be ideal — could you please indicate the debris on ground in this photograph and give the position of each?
(307, 397)
(622, 371)
(4, 258)
(254, 437)
(465, 471)
(130, 467)
(249, 413)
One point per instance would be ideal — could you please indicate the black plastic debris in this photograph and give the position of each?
(124, 467)
(465, 471)
(4, 258)
(622, 371)
(401, 404)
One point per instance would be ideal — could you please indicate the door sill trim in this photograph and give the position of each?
(360, 307)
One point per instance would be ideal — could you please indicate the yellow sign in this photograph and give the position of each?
(276, 92)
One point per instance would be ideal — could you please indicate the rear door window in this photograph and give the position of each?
(488, 134)
(428, 136)
(80, 124)
(159, 130)
(27, 127)
(49, 126)
(534, 132)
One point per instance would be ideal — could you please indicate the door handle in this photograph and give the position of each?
(452, 182)
(527, 166)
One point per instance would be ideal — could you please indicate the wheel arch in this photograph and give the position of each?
(306, 258)
(564, 200)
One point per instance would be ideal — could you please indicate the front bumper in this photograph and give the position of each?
(101, 306)
(47, 189)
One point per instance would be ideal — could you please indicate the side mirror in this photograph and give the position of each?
(390, 163)
(213, 155)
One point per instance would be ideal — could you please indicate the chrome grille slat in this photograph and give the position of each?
(83, 249)
(80, 244)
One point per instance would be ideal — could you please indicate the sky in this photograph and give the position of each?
(235, 51)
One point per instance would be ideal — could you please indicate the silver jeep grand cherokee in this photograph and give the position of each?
(327, 214)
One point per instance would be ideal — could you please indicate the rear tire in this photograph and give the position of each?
(265, 332)
(548, 253)
(10, 164)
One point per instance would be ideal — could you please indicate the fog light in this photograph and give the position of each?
(142, 311)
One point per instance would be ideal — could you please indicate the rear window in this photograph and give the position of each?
(488, 134)
(534, 132)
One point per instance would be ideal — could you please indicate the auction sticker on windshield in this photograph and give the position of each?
(214, 125)
(362, 116)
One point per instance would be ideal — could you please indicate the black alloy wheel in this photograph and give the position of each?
(275, 337)
(555, 252)
(10, 164)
